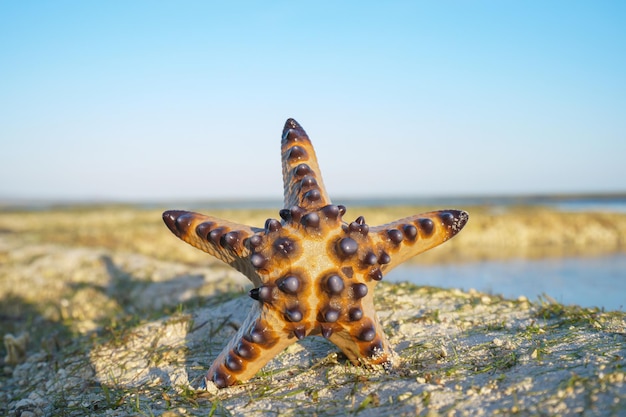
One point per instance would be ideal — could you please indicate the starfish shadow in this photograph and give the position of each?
(170, 320)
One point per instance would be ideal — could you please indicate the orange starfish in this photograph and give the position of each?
(313, 273)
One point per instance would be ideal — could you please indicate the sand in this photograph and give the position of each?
(101, 315)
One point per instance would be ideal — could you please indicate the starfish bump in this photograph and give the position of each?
(313, 273)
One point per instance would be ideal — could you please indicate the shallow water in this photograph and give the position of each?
(588, 282)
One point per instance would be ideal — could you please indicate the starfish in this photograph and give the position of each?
(313, 273)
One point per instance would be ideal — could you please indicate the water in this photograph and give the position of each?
(588, 282)
(615, 202)
(616, 205)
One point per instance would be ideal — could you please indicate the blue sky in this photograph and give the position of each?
(162, 100)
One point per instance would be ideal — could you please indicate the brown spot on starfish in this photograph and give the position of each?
(313, 273)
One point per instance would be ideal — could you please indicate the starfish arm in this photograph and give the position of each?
(302, 177)
(220, 238)
(363, 341)
(258, 341)
(405, 238)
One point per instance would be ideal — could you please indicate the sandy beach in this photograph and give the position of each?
(104, 312)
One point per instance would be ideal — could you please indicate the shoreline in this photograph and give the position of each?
(529, 232)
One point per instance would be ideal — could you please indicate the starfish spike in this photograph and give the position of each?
(313, 273)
